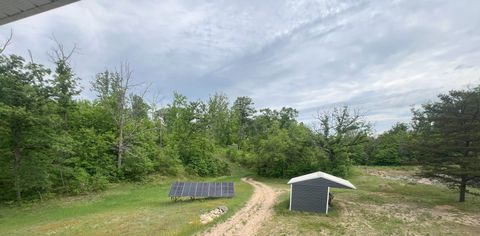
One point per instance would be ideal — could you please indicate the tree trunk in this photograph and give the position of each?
(120, 145)
(40, 195)
(463, 189)
(65, 121)
(61, 177)
(18, 157)
(121, 125)
(119, 160)
(331, 155)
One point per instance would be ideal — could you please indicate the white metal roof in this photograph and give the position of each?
(322, 175)
(12, 10)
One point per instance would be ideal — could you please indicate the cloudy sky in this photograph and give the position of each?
(379, 56)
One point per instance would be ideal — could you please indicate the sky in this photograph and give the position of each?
(382, 57)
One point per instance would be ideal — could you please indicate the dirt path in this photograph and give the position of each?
(249, 219)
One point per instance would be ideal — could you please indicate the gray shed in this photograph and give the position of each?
(310, 192)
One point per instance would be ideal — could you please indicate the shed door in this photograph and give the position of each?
(309, 198)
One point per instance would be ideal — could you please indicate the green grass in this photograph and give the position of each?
(380, 207)
(376, 189)
(123, 209)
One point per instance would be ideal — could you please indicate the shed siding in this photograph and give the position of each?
(309, 198)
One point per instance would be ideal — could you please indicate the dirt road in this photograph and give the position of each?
(249, 219)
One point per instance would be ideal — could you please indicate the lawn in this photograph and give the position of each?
(380, 207)
(123, 209)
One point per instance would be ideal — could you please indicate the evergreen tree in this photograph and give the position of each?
(64, 88)
(448, 139)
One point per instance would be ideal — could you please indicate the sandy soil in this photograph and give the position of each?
(250, 218)
(408, 176)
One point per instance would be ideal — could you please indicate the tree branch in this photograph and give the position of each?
(4, 45)
(58, 52)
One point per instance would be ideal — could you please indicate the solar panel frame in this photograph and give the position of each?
(201, 189)
(211, 189)
(173, 189)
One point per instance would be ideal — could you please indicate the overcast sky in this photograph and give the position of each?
(380, 56)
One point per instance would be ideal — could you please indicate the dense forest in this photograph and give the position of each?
(52, 142)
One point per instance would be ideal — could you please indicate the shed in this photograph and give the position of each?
(310, 192)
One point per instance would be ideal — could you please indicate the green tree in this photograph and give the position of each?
(242, 114)
(391, 147)
(139, 108)
(113, 90)
(25, 123)
(448, 139)
(64, 83)
(64, 88)
(340, 131)
(218, 119)
(186, 137)
(288, 152)
(93, 130)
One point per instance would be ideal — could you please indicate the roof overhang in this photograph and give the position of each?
(331, 181)
(12, 10)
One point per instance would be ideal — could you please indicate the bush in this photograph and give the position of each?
(167, 162)
(208, 166)
(98, 182)
(287, 153)
(232, 153)
(136, 167)
(83, 182)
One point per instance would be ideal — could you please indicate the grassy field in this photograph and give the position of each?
(124, 209)
(380, 207)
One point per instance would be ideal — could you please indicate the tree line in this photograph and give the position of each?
(51, 142)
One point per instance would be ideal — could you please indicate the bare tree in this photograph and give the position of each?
(114, 91)
(157, 117)
(125, 76)
(8, 41)
(59, 53)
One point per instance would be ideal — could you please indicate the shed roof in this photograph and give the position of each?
(322, 175)
(12, 10)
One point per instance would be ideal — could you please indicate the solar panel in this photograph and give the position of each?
(186, 190)
(201, 189)
(180, 188)
(173, 188)
(219, 189)
(230, 189)
(225, 189)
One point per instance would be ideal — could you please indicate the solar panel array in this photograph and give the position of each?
(199, 189)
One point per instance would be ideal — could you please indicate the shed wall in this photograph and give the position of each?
(309, 198)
